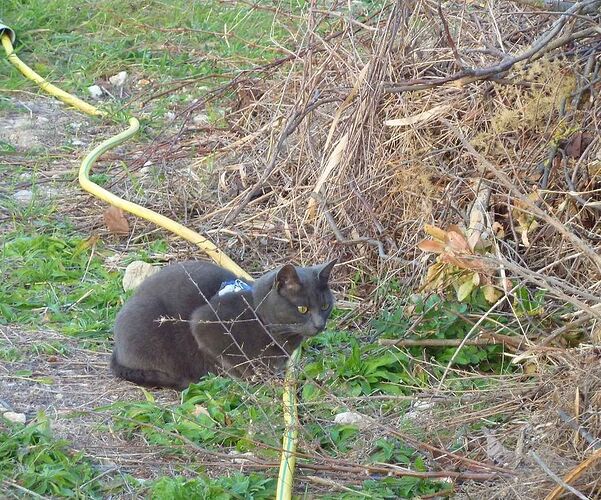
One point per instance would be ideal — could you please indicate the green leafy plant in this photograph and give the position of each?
(459, 263)
(389, 488)
(433, 317)
(33, 459)
(393, 451)
(352, 368)
(253, 486)
(216, 411)
(529, 303)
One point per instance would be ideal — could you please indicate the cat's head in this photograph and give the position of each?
(295, 300)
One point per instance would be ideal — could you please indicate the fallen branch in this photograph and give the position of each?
(556, 478)
(574, 474)
(399, 472)
(438, 342)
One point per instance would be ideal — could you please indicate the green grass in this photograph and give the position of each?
(53, 276)
(53, 280)
(33, 462)
(76, 43)
(8, 352)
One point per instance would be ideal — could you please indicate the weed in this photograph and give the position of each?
(9, 353)
(348, 367)
(31, 458)
(49, 348)
(384, 488)
(58, 282)
(216, 411)
(444, 319)
(252, 486)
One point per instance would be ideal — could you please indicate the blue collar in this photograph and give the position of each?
(234, 286)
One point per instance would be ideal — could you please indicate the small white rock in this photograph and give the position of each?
(352, 418)
(418, 409)
(119, 79)
(95, 91)
(201, 119)
(136, 272)
(23, 196)
(18, 418)
(240, 460)
(169, 116)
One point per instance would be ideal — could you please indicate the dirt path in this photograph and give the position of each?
(69, 387)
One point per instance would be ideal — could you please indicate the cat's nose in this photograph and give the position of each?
(318, 323)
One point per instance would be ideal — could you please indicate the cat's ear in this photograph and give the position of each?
(323, 274)
(287, 278)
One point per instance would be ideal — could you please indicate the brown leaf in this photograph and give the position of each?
(469, 263)
(574, 146)
(455, 229)
(434, 272)
(498, 230)
(451, 259)
(115, 221)
(435, 232)
(458, 243)
(431, 246)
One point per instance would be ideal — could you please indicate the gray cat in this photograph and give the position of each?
(193, 318)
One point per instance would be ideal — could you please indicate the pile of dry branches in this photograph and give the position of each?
(421, 113)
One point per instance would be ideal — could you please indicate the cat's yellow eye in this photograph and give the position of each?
(302, 309)
(325, 306)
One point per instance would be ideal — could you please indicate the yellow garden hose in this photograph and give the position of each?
(286, 473)
(207, 246)
(203, 243)
(288, 461)
(8, 39)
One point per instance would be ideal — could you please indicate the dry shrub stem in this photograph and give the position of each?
(556, 478)
(542, 45)
(535, 209)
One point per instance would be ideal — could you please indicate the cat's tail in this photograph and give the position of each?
(147, 378)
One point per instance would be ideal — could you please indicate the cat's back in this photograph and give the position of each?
(183, 286)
